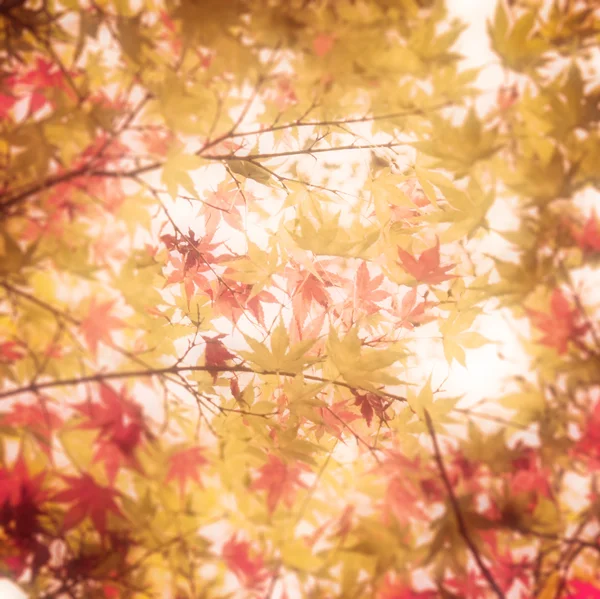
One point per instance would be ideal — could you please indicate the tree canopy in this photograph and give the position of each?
(226, 229)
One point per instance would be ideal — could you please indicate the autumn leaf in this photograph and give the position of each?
(36, 419)
(559, 326)
(368, 291)
(121, 429)
(11, 351)
(410, 313)
(223, 205)
(281, 356)
(588, 239)
(582, 590)
(280, 481)
(191, 277)
(244, 563)
(335, 419)
(308, 290)
(88, 498)
(426, 268)
(361, 366)
(323, 44)
(184, 465)
(396, 588)
(97, 326)
(370, 404)
(21, 501)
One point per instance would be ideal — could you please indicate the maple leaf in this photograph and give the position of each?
(402, 494)
(10, 351)
(279, 480)
(506, 96)
(249, 569)
(395, 588)
(588, 239)
(121, 427)
(335, 418)
(370, 404)
(367, 291)
(232, 299)
(6, 103)
(473, 585)
(560, 326)
(37, 419)
(184, 465)
(223, 205)
(117, 450)
(588, 446)
(21, 499)
(323, 43)
(113, 409)
(309, 290)
(527, 476)
(88, 498)
(410, 314)
(583, 590)
(216, 354)
(96, 327)
(190, 276)
(426, 269)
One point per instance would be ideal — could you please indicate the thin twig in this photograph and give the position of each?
(462, 526)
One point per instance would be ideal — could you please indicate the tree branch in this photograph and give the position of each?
(462, 525)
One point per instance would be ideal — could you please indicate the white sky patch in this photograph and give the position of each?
(9, 590)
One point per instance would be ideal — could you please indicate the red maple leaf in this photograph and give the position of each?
(426, 269)
(96, 327)
(583, 590)
(118, 449)
(21, 499)
(370, 404)
(88, 498)
(113, 409)
(223, 205)
(410, 314)
(560, 326)
(6, 103)
(231, 300)
(191, 276)
(308, 290)
(528, 476)
(335, 418)
(249, 569)
(10, 351)
(471, 585)
(185, 465)
(506, 96)
(280, 481)
(404, 493)
(36, 419)
(121, 426)
(323, 43)
(588, 447)
(588, 239)
(216, 354)
(367, 291)
(395, 588)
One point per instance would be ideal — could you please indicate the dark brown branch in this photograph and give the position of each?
(462, 525)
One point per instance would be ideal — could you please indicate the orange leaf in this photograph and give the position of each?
(426, 269)
(96, 327)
